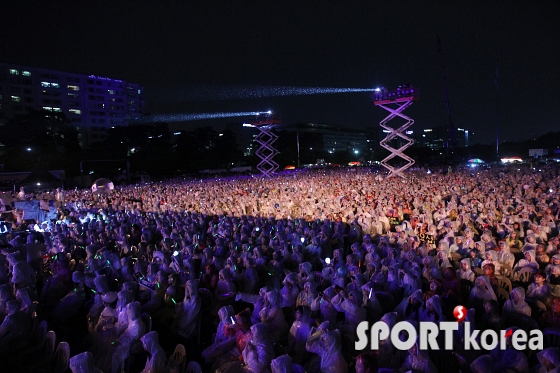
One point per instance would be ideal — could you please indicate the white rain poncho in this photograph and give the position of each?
(225, 287)
(257, 300)
(305, 273)
(492, 258)
(529, 262)
(481, 291)
(156, 360)
(354, 312)
(187, 311)
(483, 364)
(224, 334)
(409, 308)
(307, 295)
(299, 334)
(509, 360)
(83, 363)
(418, 361)
(549, 359)
(282, 364)
(273, 316)
(324, 305)
(15, 324)
(124, 298)
(259, 351)
(465, 272)
(327, 346)
(517, 303)
(371, 303)
(135, 330)
(289, 291)
(432, 311)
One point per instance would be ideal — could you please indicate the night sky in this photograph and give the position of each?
(178, 48)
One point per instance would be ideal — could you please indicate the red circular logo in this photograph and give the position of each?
(460, 312)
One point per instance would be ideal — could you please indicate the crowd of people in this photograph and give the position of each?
(275, 274)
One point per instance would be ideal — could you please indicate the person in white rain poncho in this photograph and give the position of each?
(483, 364)
(418, 361)
(516, 303)
(259, 351)
(290, 290)
(465, 272)
(539, 290)
(282, 364)
(257, 300)
(83, 363)
(371, 303)
(327, 345)
(354, 313)
(549, 360)
(492, 257)
(324, 305)
(225, 333)
(156, 360)
(307, 295)
(299, 333)
(273, 316)
(187, 311)
(432, 311)
(135, 329)
(528, 262)
(510, 359)
(409, 308)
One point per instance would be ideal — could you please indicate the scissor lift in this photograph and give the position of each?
(395, 103)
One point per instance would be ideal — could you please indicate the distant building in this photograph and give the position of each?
(437, 137)
(92, 103)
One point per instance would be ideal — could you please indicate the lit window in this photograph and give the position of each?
(73, 88)
(26, 73)
(55, 85)
(45, 84)
(111, 91)
(57, 109)
(16, 99)
(47, 108)
(75, 111)
(14, 72)
(138, 91)
(73, 95)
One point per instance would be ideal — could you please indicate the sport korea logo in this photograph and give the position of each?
(427, 333)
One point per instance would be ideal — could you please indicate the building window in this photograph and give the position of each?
(45, 84)
(73, 104)
(48, 108)
(46, 101)
(54, 76)
(101, 113)
(15, 90)
(55, 85)
(138, 91)
(56, 94)
(57, 102)
(73, 80)
(73, 95)
(91, 112)
(46, 93)
(14, 72)
(75, 111)
(28, 100)
(100, 98)
(16, 99)
(73, 87)
(90, 81)
(57, 109)
(29, 108)
(26, 73)
(27, 91)
(111, 91)
(17, 107)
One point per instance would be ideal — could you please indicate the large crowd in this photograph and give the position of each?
(274, 275)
